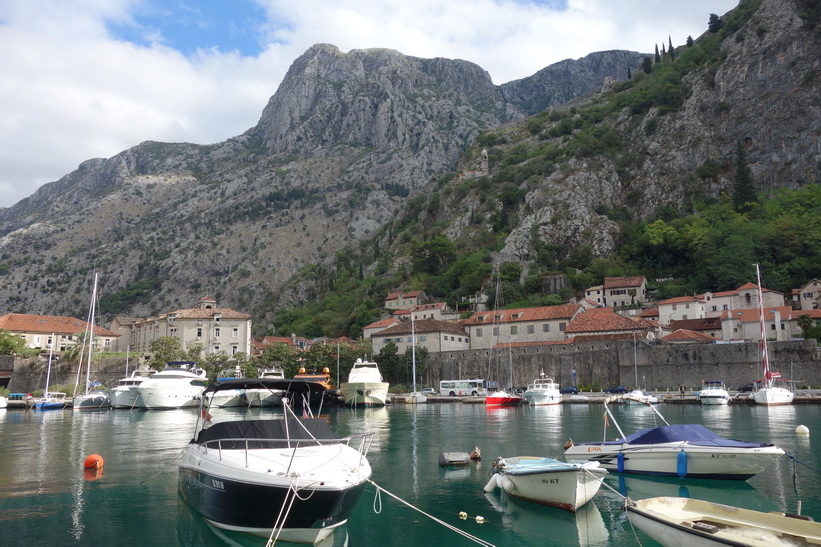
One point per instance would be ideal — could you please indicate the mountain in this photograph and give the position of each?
(355, 150)
(339, 146)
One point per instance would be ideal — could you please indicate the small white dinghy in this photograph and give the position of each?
(547, 481)
(692, 522)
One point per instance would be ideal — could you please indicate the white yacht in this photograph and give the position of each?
(543, 391)
(179, 385)
(713, 392)
(121, 396)
(364, 386)
(266, 396)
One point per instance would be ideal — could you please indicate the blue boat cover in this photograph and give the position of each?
(695, 434)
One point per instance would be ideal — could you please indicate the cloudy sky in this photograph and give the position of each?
(85, 79)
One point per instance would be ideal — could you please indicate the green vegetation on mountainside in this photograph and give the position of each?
(707, 244)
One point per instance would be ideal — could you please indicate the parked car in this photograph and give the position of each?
(428, 391)
(569, 390)
(616, 389)
(747, 388)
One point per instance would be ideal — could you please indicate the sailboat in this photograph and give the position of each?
(55, 400)
(91, 399)
(769, 394)
(503, 397)
(414, 397)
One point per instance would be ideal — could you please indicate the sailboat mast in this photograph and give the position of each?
(48, 372)
(413, 353)
(91, 333)
(765, 360)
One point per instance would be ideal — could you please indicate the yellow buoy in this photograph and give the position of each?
(463, 515)
(94, 461)
(802, 430)
(480, 520)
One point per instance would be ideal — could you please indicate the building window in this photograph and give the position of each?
(234, 350)
(479, 333)
(199, 332)
(217, 332)
(562, 326)
(545, 327)
(173, 332)
(514, 329)
(495, 331)
(531, 329)
(421, 338)
(386, 341)
(216, 349)
(235, 332)
(107, 343)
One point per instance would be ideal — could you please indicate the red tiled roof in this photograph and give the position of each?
(612, 337)
(620, 282)
(602, 320)
(686, 335)
(650, 313)
(382, 323)
(751, 315)
(47, 324)
(403, 294)
(423, 325)
(542, 313)
(679, 300)
(208, 313)
(708, 323)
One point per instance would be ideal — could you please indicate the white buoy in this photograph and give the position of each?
(802, 430)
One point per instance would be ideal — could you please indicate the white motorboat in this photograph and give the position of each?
(773, 390)
(714, 392)
(547, 481)
(689, 450)
(543, 391)
(121, 395)
(229, 397)
(180, 384)
(686, 521)
(267, 397)
(286, 478)
(3, 402)
(364, 386)
(91, 400)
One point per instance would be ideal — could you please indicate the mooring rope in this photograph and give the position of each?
(475, 539)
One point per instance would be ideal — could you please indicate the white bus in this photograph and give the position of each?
(459, 388)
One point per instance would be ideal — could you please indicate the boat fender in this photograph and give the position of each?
(568, 444)
(620, 463)
(492, 483)
(681, 464)
(505, 483)
(475, 454)
(453, 458)
(802, 431)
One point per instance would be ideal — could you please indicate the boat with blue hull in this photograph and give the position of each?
(288, 478)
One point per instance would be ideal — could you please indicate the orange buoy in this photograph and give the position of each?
(95, 461)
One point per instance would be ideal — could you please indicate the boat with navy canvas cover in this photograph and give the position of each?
(286, 478)
(681, 450)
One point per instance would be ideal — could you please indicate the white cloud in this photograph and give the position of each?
(71, 91)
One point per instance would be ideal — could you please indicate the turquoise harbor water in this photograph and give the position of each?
(45, 499)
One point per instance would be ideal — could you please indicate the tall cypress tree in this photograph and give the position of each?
(744, 193)
(629, 74)
(658, 57)
(670, 49)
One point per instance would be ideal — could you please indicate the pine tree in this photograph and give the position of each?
(647, 65)
(690, 41)
(714, 24)
(744, 193)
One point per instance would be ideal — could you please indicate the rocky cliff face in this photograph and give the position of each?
(337, 149)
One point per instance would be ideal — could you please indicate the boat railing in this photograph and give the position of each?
(361, 442)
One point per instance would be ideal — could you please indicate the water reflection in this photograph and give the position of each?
(549, 525)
